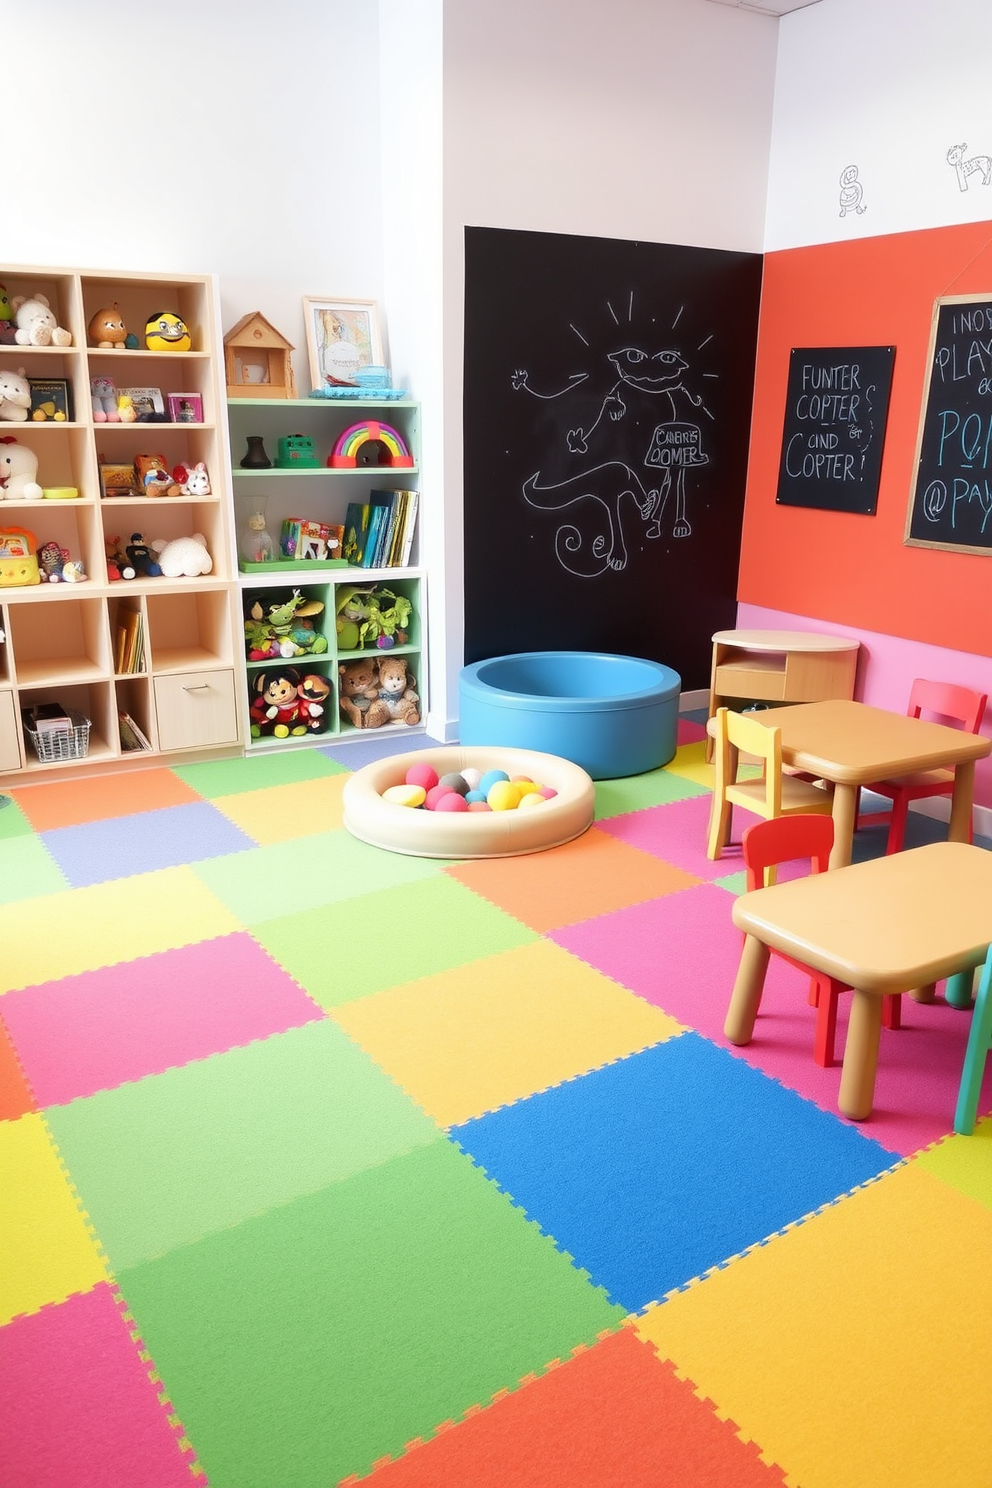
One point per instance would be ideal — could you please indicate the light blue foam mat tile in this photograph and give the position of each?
(96, 852)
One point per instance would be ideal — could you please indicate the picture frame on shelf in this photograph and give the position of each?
(343, 336)
(147, 402)
(51, 400)
(185, 408)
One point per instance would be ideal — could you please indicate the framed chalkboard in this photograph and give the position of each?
(608, 392)
(951, 503)
(835, 411)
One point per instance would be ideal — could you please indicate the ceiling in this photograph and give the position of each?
(767, 7)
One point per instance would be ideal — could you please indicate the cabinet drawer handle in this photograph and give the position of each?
(200, 687)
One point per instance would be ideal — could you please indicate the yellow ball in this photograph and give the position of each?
(532, 798)
(528, 788)
(405, 795)
(504, 796)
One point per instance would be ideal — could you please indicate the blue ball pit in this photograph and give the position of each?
(613, 715)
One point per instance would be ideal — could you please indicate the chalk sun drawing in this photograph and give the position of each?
(599, 496)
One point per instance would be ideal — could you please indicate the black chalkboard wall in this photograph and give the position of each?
(608, 391)
(835, 410)
(951, 505)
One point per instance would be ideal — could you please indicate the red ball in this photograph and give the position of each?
(452, 801)
(436, 794)
(422, 774)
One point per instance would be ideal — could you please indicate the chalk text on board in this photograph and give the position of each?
(936, 494)
(956, 365)
(970, 438)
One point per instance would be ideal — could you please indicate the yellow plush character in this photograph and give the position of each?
(165, 331)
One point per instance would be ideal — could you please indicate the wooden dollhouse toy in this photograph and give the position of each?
(257, 360)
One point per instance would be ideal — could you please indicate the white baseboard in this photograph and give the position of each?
(690, 701)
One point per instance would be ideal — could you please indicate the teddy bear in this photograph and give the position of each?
(152, 475)
(15, 395)
(18, 469)
(395, 699)
(183, 557)
(358, 687)
(37, 323)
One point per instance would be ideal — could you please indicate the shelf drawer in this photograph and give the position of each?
(196, 709)
(746, 680)
(10, 733)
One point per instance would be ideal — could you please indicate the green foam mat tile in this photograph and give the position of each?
(304, 1345)
(13, 822)
(28, 870)
(176, 1156)
(381, 940)
(635, 792)
(285, 878)
(734, 883)
(233, 776)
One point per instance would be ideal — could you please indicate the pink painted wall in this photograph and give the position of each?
(886, 668)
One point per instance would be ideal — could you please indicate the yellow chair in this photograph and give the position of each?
(774, 793)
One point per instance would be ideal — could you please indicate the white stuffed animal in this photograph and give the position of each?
(18, 468)
(183, 557)
(37, 323)
(15, 395)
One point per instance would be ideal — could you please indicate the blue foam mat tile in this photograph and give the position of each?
(647, 1189)
(356, 755)
(118, 847)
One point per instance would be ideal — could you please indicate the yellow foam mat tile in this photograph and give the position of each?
(855, 1347)
(281, 812)
(46, 1250)
(690, 764)
(82, 929)
(469, 1040)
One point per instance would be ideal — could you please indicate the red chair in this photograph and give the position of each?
(785, 839)
(959, 705)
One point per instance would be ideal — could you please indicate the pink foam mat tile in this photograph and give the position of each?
(676, 832)
(78, 1408)
(102, 1028)
(681, 953)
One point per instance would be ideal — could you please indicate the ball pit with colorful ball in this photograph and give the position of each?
(469, 802)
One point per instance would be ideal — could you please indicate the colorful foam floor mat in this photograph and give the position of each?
(323, 1165)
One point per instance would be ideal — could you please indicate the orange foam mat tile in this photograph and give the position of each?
(855, 1346)
(71, 803)
(593, 875)
(612, 1416)
(15, 1093)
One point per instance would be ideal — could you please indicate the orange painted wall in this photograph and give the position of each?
(835, 566)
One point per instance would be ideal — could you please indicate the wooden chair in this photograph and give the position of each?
(773, 794)
(787, 839)
(977, 1052)
(961, 706)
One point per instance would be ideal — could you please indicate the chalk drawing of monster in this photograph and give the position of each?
(851, 192)
(613, 486)
(978, 164)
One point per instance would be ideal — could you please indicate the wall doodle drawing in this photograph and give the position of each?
(964, 169)
(851, 192)
(613, 492)
(607, 401)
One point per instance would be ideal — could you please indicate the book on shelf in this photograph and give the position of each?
(397, 533)
(132, 737)
(356, 524)
(378, 519)
(128, 649)
(49, 718)
(409, 524)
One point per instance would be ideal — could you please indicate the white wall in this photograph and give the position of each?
(888, 86)
(240, 139)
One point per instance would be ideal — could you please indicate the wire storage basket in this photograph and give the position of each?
(60, 743)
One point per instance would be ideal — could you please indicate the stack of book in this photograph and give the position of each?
(129, 653)
(131, 736)
(379, 533)
(49, 718)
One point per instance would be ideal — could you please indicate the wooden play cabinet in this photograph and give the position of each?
(60, 641)
(779, 666)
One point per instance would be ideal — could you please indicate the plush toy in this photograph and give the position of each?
(276, 707)
(18, 469)
(103, 399)
(351, 612)
(396, 700)
(193, 479)
(37, 323)
(15, 395)
(183, 557)
(152, 475)
(51, 556)
(126, 411)
(315, 691)
(118, 566)
(165, 331)
(141, 558)
(8, 327)
(358, 686)
(107, 328)
(284, 628)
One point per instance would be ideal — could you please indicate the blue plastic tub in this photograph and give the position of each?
(613, 715)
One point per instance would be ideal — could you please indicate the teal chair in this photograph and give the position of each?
(979, 1044)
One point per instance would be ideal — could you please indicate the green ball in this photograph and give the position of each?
(348, 635)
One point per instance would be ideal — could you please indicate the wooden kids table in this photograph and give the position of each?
(885, 926)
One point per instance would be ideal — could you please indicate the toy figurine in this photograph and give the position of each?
(315, 692)
(276, 707)
(118, 566)
(257, 545)
(107, 329)
(165, 331)
(141, 558)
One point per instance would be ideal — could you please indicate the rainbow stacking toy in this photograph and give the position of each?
(385, 447)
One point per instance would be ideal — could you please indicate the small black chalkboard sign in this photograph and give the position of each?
(835, 410)
(951, 504)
